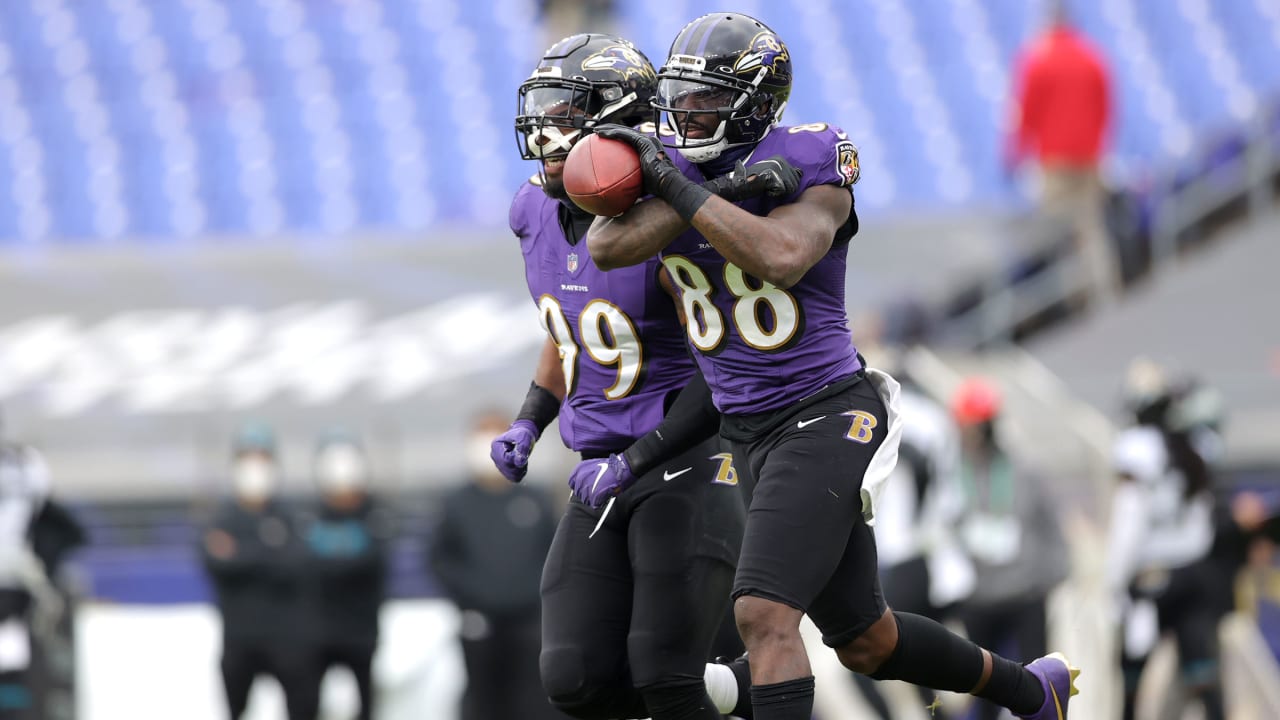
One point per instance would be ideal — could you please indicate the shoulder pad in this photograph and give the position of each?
(823, 151)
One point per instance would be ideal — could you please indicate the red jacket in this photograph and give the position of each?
(1064, 103)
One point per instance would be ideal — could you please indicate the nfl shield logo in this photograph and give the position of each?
(573, 262)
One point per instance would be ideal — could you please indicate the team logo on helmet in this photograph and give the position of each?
(625, 60)
(766, 50)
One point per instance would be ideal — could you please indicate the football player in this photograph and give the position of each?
(1161, 566)
(633, 592)
(762, 283)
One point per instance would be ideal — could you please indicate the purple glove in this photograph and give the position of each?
(510, 450)
(594, 481)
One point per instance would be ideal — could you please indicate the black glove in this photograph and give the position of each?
(779, 177)
(774, 176)
(661, 177)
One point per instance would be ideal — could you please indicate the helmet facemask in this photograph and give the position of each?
(706, 114)
(582, 81)
(553, 113)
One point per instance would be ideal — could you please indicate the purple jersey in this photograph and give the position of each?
(762, 348)
(618, 332)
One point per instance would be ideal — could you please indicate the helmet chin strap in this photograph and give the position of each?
(724, 163)
(703, 153)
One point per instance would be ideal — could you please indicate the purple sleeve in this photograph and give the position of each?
(518, 217)
(823, 152)
(523, 220)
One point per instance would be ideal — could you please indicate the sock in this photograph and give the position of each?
(1013, 686)
(930, 655)
(722, 687)
(789, 700)
(680, 698)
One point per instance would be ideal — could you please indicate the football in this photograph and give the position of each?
(603, 176)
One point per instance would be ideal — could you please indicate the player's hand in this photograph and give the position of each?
(595, 481)
(661, 177)
(736, 186)
(774, 176)
(778, 177)
(510, 450)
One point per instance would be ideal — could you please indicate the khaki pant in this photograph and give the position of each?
(1075, 196)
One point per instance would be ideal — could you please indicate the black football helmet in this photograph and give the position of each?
(581, 81)
(725, 84)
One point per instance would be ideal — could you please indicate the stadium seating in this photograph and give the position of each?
(149, 552)
(164, 119)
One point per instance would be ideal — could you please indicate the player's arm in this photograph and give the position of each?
(1125, 535)
(781, 247)
(691, 419)
(634, 236)
(510, 450)
(650, 226)
(549, 374)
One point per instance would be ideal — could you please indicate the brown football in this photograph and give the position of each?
(603, 176)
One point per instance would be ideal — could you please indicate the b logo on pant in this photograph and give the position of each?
(861, 429)
(726, 474)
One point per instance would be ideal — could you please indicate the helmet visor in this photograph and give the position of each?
(558, 104)
(694, 96)
(695, 110)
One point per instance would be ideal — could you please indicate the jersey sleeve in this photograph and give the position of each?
(823, 153)
(518, 216)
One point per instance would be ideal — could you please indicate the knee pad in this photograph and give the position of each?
(575, 691)
(563, 674)
(659, 658)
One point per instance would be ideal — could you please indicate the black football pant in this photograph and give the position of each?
(356, 657)
(244, 660)
(629, 614)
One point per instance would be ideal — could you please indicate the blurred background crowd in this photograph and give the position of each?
(260, 315)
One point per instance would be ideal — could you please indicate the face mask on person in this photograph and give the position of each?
(341, 469)
(254, 478)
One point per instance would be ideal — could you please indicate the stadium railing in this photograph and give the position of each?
(1232, 176)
